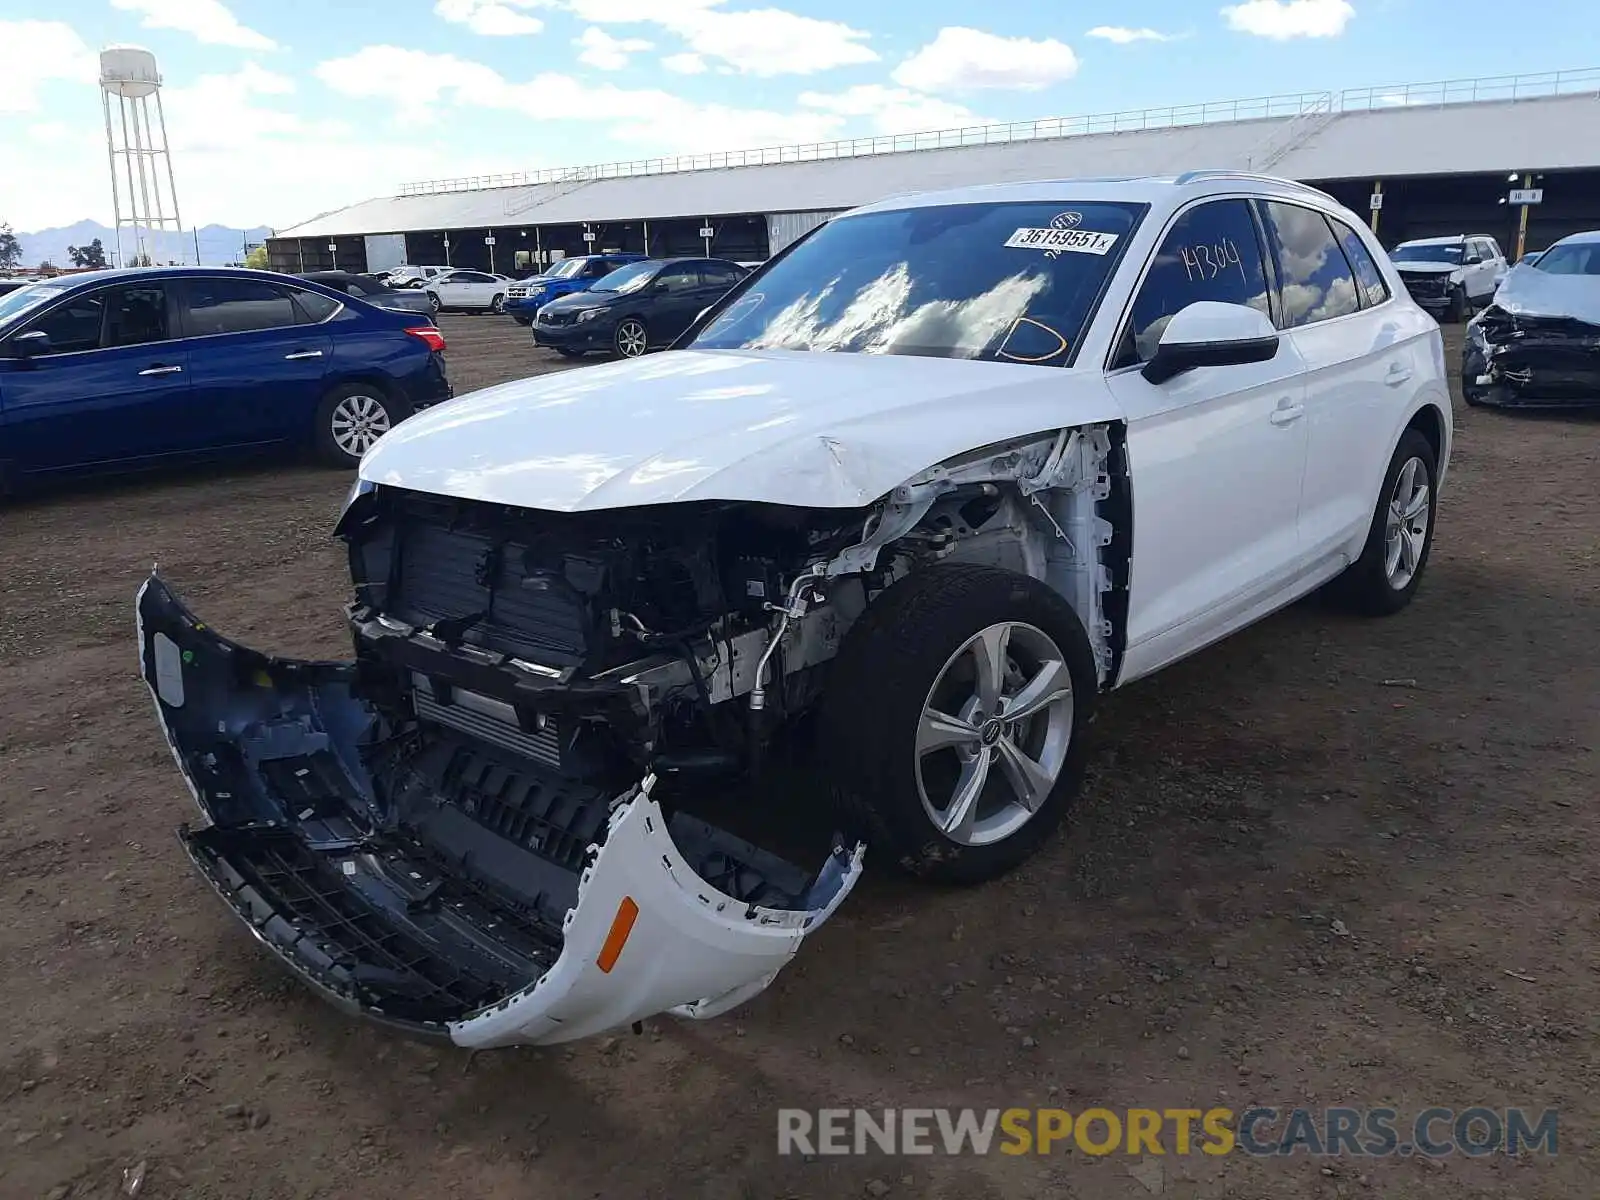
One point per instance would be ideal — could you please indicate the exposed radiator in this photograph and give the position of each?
(488, 720)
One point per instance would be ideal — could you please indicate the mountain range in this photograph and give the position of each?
(219, 244)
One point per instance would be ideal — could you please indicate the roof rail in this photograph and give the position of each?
(1189, 177)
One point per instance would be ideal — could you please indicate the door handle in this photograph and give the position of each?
(299, 354)
(161, 370)
(1397, 375)
(1287, 412)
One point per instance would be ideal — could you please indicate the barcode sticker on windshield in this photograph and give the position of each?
(1079, 241)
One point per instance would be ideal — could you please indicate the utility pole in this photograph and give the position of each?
(1522, 220)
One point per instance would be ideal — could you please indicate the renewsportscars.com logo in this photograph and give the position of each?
(1321, 1132)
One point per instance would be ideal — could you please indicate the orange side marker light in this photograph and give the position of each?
(621, 927)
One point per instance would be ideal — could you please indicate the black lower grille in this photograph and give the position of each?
(557, 819)
(296, 900)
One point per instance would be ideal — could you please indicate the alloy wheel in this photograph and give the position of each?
(1405, 533)
(358, 422)
(994, 733)
(631, 339)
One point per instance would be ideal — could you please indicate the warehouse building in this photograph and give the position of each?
(1421, 159)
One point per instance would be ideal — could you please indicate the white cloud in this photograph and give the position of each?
(209, 21)
(600, 50)
(893, 110)
(1281, 20)
(960, 59)
(765, 41)
(685, 64)
(418, 83)
(1123, 36)
(491, 18)
(39, 51)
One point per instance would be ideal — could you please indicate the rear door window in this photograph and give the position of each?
(315, 307)
(1212, 252)
(214, 306)
(1314, 278)
(720, 275)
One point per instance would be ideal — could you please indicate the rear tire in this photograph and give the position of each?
(896, 774)
(497, 305)
(434, 302)
(350, 419)
(1385, 578)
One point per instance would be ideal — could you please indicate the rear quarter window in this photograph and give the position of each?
(1314, 277)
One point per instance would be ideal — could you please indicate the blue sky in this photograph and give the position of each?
(280, 109)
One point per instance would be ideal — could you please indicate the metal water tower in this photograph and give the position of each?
(136, 144)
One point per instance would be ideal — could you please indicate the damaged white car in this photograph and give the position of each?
(897, 509)
(1538, 344)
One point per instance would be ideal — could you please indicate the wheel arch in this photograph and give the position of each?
(1429, 422)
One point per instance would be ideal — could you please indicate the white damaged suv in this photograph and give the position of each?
(888, 519)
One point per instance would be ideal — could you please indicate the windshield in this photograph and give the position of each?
(14, 304)
(1575, 258)
(1000, 282)
(1450, 253)
(627, 279)
(565, 269)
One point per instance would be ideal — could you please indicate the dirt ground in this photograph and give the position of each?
(1328, 862)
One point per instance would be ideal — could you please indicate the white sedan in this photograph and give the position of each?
(471, 290)
(942, 475)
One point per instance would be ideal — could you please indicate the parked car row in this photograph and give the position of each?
(125, 369)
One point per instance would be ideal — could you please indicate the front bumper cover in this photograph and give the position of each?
(363, 907)
(1533, 369)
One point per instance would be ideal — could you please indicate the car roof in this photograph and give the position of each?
(1159, 191)
(113, 274)
(1587, 237)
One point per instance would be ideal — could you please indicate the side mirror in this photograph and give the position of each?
(1474, 260)
(31, 344)
(1211, 334)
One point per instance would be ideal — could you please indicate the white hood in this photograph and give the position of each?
(1427, 268)
(1528, 291)
(808, 429)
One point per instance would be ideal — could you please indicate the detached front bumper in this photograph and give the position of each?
(1533, 372)
(484, 902)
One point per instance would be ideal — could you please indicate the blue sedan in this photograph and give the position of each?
(120, 370)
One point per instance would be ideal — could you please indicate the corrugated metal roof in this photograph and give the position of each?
(1547, 133)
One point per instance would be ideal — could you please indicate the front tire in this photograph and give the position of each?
(350, 419)
(1458, 309)
(1385, 578)
(632, 339)
(923, 759)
